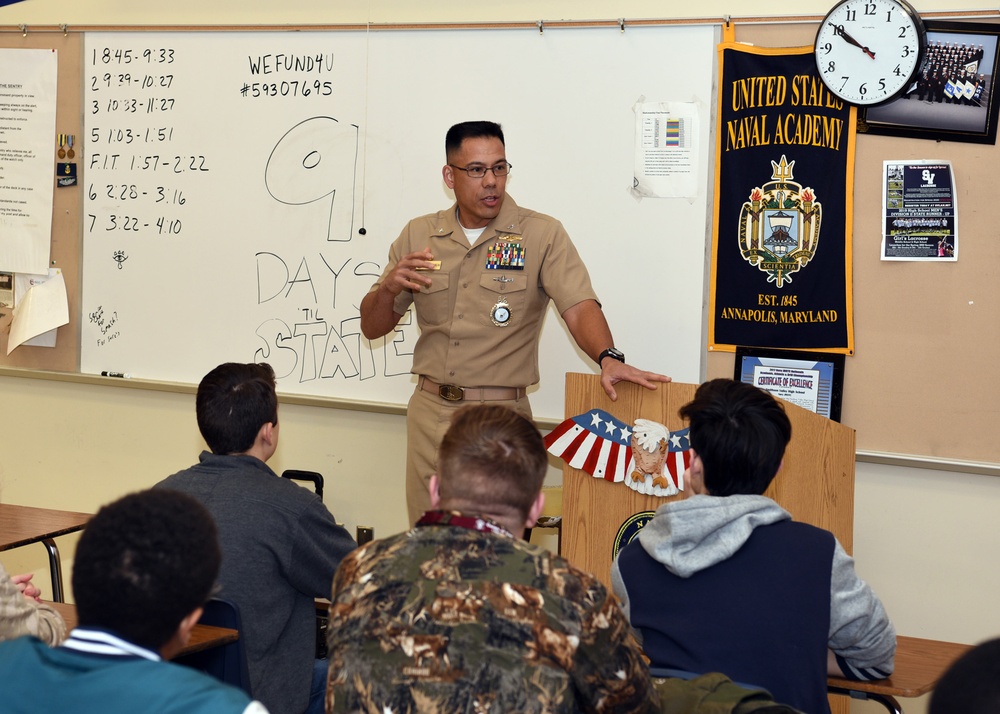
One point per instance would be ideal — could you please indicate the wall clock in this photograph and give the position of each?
(868, 51)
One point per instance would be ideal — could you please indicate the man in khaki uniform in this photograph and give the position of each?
(480, 275)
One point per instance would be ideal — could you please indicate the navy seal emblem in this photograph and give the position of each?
(630, 529)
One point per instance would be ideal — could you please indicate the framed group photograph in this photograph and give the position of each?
(812, 380)
(952, 96)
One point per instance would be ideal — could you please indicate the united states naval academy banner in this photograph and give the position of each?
(781, 253)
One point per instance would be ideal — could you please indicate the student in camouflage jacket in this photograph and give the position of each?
(462, 615)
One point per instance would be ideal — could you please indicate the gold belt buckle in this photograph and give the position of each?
(451, 392)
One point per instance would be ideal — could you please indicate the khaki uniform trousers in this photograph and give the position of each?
(428, 417)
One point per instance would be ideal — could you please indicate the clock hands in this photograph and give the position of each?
(839, 30)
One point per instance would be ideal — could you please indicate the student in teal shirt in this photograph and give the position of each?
(145, 566)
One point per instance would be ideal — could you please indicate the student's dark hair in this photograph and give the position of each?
(491, 459)
(234, 401)
(143, 564)
(972, 684)
(471, 130)
(740, 432)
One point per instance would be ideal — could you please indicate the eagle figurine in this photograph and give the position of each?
(646, 456)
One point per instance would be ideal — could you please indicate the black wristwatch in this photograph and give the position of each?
(613, 353)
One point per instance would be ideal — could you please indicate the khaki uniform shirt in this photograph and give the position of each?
(459, 342)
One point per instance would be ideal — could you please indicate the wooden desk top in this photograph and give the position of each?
(919, 665)
(22, 525)
(203, 637)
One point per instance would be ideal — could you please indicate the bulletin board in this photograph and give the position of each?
(65, 250)
(923, 380)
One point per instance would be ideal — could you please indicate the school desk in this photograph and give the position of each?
(23, 525)
(920, 664)
(203, 637)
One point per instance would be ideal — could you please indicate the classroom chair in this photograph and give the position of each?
(313, 477)
(364, 535)
(551, 515)
(227, 663)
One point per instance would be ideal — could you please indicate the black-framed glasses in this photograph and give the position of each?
(501, 169)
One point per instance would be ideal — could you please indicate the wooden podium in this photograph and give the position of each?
(815, 484)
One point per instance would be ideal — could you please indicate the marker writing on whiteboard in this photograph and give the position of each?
(122, 375)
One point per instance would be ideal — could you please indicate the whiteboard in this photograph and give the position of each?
(228, 174)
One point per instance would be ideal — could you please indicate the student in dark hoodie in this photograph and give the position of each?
(725, 580)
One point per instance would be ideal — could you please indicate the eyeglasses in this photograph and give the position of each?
(501, 169)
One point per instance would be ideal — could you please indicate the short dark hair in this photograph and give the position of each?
(471, 130)
(972, 684)
(234, 401)
(740, 433)
(491, 458)
(143, 564)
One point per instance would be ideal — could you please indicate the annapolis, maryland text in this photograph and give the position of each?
(765, 312)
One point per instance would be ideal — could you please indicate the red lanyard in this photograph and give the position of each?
(453, 518)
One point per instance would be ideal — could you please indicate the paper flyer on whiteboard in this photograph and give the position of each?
(666, 150)
(920, 220)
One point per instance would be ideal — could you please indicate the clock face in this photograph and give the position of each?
(867, 51)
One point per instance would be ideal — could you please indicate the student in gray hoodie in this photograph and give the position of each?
(725, 580)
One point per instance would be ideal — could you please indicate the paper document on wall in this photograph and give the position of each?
(6, 289)
(41, 308)
(27, 132)
(666, 150)
(920, 210)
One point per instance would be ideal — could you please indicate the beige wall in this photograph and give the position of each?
(291, 12)
(76, 446)
(926, 540)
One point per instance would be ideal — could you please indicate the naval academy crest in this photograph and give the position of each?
(779, 225)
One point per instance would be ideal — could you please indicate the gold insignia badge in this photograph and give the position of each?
(500, 314)
(630, 529)
(779, 225)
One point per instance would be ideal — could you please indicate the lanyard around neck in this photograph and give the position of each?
(453, 518)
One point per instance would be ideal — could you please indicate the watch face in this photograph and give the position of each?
(867, 51)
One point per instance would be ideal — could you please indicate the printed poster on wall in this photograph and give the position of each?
(781, 253)
(666, 150)
(920, 220)
(27, 129)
